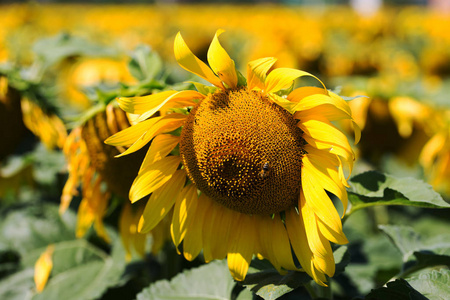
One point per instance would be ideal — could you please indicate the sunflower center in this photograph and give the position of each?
(244, 151)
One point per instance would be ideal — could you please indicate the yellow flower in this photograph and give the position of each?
(43, 268)
(253, 169)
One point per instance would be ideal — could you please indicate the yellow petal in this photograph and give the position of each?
(161, 201)
(305, 91)
(153, 177)
(431, 149)
(216, 235)
(241, 246)
(175, 100)
(257, 70)
(164, 124)
(324, 166)
(318, 200)
(283, 78)
(125, 220)
(143, 104)
(320, 247)
(184, 207)
(160, 147)
(188, 61)
(275, 242)
(297, 235)
(221, 63)
(43, 268)
(192, 243)
(131, 134)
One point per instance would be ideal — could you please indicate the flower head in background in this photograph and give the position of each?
(247, 168)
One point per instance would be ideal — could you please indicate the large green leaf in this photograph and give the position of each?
(395, 290)
(434, 284)
(208, 282)
(374, 188)
(18, 286)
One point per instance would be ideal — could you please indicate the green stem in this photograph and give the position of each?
(311, 291)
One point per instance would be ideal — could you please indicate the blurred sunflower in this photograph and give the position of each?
(254, 164)
(104, 181)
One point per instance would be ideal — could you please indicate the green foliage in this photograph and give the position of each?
(374, 188)
(212, 281)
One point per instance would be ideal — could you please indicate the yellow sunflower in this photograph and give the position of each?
(253, 168)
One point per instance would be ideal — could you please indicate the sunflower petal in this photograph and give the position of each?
(241, 247)
(221, 63)
(192, 244)
(257, 70)
(153, 177)
(131, 134)
(143, 104)
(184, 206)
(217, 233)
(162, 125)
(43, 268)
(188, 61)
(160, 147)
(161, 201)
(283, 78)
(297, 235)
(175, 100)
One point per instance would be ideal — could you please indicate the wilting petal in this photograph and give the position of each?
(221, 63)
(161, 201)
(257, 71)
(191, 63)
(283, 78)
(43, 268)
(153, 177)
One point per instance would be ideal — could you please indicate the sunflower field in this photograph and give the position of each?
(166, 151)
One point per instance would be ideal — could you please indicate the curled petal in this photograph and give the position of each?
(221, 63)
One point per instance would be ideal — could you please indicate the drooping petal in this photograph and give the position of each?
(184, 207)
(192, 243)
(153, 177)
(257, 71)
(282, 78)
(320, 247)
(216, 234)
(324, 166)
(275, 242)
(161, 201)
(188, 61)
(221, 63)
(241, 246)
(297, 235)
(318, 200)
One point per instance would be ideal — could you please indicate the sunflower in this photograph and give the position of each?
(247, 168)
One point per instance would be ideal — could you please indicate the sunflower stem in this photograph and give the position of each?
(318, 291)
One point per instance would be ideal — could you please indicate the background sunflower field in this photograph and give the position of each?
(66, 231)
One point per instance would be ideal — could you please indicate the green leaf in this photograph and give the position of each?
(203, 88)
(208, 282)
(145, 64)
(396, 290)
(18, 286)
(341, 258)
(433, 284)
(80, 271)
(411, 243)
(374, 188)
